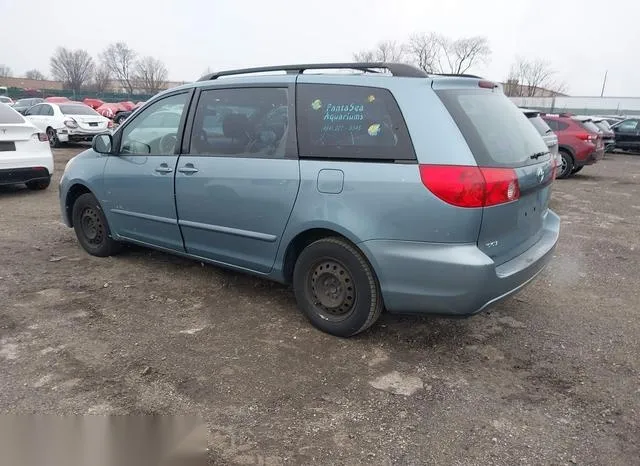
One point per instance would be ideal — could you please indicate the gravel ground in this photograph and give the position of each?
(550, 376)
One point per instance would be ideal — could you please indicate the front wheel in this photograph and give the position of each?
(53, 138)
(91, 227)
(566, 166)
(336, 288)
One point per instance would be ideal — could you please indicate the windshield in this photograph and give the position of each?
(540, 124)
(498, 132)
(591, 126)
(77, 110)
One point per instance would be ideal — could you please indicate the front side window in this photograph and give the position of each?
(248, 122)
(351, 122)
(152, 132)
(628, 126)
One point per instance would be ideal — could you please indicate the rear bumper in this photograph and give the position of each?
(592, 158)
(66, 135)
(453, 279)
(23, 175)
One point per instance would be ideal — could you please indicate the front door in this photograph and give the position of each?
(238, 179)
(138, 180)
(628, 134)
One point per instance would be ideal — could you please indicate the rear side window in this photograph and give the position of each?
(242, 122)
(9, 115)
(46, 110)
(497, 132)
(590, 125)
(351, 122)
(628, 125)
(556, 125)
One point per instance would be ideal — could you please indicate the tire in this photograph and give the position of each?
(54, 142)
(119, 119)
(38, 185)
(566, 167)
(91, 227)
(576, 170)
(336, 288)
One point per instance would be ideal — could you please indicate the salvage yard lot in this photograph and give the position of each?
(549, 376)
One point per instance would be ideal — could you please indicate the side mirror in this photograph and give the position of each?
(102, 143)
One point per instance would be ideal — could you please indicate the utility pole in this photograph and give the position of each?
(604, 82)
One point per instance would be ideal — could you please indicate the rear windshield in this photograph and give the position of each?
(604, 125)
(498, 132)
(9, 115)
(539, 124)
(591, 126)
(77, 110)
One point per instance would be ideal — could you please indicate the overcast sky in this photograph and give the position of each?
(581, 39)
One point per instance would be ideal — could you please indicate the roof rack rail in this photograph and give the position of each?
(396, 69)
(459, 75)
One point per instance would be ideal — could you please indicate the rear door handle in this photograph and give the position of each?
(164, 168)
(188, 169)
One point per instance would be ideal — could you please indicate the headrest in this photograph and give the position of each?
(235, 125)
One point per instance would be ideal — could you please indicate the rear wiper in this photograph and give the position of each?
(537, 155)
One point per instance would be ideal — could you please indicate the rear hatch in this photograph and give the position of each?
(503, 140)
(14, 131)
(86, 118)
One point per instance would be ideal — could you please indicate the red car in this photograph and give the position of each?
(580, 142)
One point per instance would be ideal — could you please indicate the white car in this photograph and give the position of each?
(70, 122)
(6, 100)
(25, 155)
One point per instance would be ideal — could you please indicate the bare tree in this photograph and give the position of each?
(73, 67)
(386, 51)
(35, 74)
(120, 59)
(532, 78)
(151, 73)
(460, 55)
(5, 71)
(101, 78)
(425, 50)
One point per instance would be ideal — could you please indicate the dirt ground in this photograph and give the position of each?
(551, 376)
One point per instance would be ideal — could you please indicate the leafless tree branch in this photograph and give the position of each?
(5, 71)
(386, 51)
(101, 78)
(121, 60)
(73, 67)
(35, 74)
(532, 78)
(425, 50)
(151, 74)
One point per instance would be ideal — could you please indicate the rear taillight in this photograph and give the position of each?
(585, 136)
(468, 186)
(110, 124)
(554, 167)
(71, 123)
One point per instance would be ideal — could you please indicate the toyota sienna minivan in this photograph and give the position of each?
(378, 188)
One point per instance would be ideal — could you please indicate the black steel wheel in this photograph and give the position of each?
(91, 227)
(336, 287)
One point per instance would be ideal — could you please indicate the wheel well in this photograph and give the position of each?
(301, 241)
(568, 151)
(74, 193)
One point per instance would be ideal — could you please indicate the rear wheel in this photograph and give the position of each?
(566, 165)
(577, 169)
(336, 288)
(91, 227)
(38, 185)
(53, 138)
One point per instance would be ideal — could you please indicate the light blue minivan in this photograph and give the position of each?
(377, 188)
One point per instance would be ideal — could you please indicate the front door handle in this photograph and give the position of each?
(188, 169)
(164, 168)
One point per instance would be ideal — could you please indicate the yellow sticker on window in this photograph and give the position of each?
(371, 98)
(316, 104)
(374, 129)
